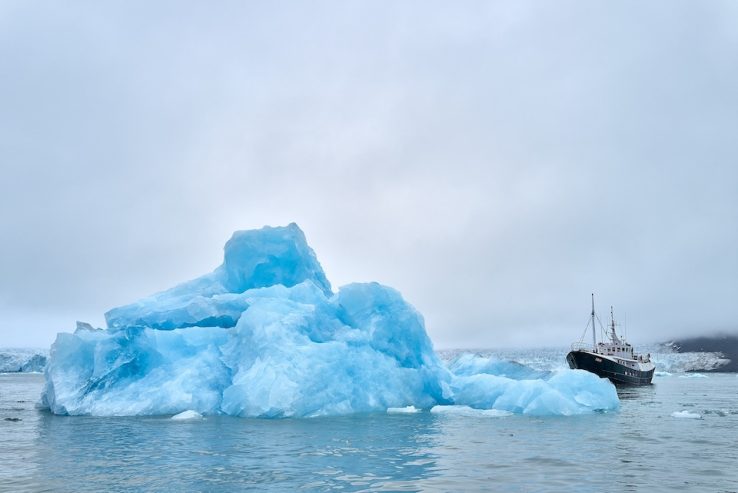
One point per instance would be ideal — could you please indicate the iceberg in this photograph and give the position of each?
(264, 335)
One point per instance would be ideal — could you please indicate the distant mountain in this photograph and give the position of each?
(727, 345)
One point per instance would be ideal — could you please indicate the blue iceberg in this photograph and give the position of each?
(485, 383)
(264, 335)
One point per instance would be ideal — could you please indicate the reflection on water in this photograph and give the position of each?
(639, 448)
(626, 392)
(158, 454)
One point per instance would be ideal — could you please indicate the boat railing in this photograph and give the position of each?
(578, 346)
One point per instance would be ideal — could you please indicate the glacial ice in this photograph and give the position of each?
(403, 410)
(253, 259)
(471, 412)
(485, 383)
(188, 415)
(686, 414)
(467, 364)
(666, 358)
(22, 360)
(264, 335)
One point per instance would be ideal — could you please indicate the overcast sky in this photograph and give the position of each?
(496, 162)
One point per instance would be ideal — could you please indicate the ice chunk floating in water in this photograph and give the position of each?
(686, 414)
(403, 410)
(470, 411)
(188, 415)
(264, 335)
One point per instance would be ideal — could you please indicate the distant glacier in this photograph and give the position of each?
(665, 357)
(33, 360)
(22, 360)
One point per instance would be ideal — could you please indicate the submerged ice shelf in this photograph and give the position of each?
(264, 335)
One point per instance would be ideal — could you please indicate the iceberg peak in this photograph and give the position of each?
(269, 256)
(258, 258)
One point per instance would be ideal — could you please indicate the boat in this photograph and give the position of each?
(613, 358)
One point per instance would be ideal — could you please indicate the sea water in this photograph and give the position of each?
(679, 434)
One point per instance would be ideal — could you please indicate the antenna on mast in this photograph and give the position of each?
(594, 338)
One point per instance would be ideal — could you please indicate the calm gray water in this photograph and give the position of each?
(640, 448)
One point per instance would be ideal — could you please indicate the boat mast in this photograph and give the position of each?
(594, 338)
(612, 326)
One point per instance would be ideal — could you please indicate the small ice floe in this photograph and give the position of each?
(662, 374)
(188, 415)
(693, 375)
(686, 414)
(469, 411)
(403, 410)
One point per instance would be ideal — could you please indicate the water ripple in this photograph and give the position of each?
(639, 448)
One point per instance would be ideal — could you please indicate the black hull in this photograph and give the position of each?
(603, 367)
